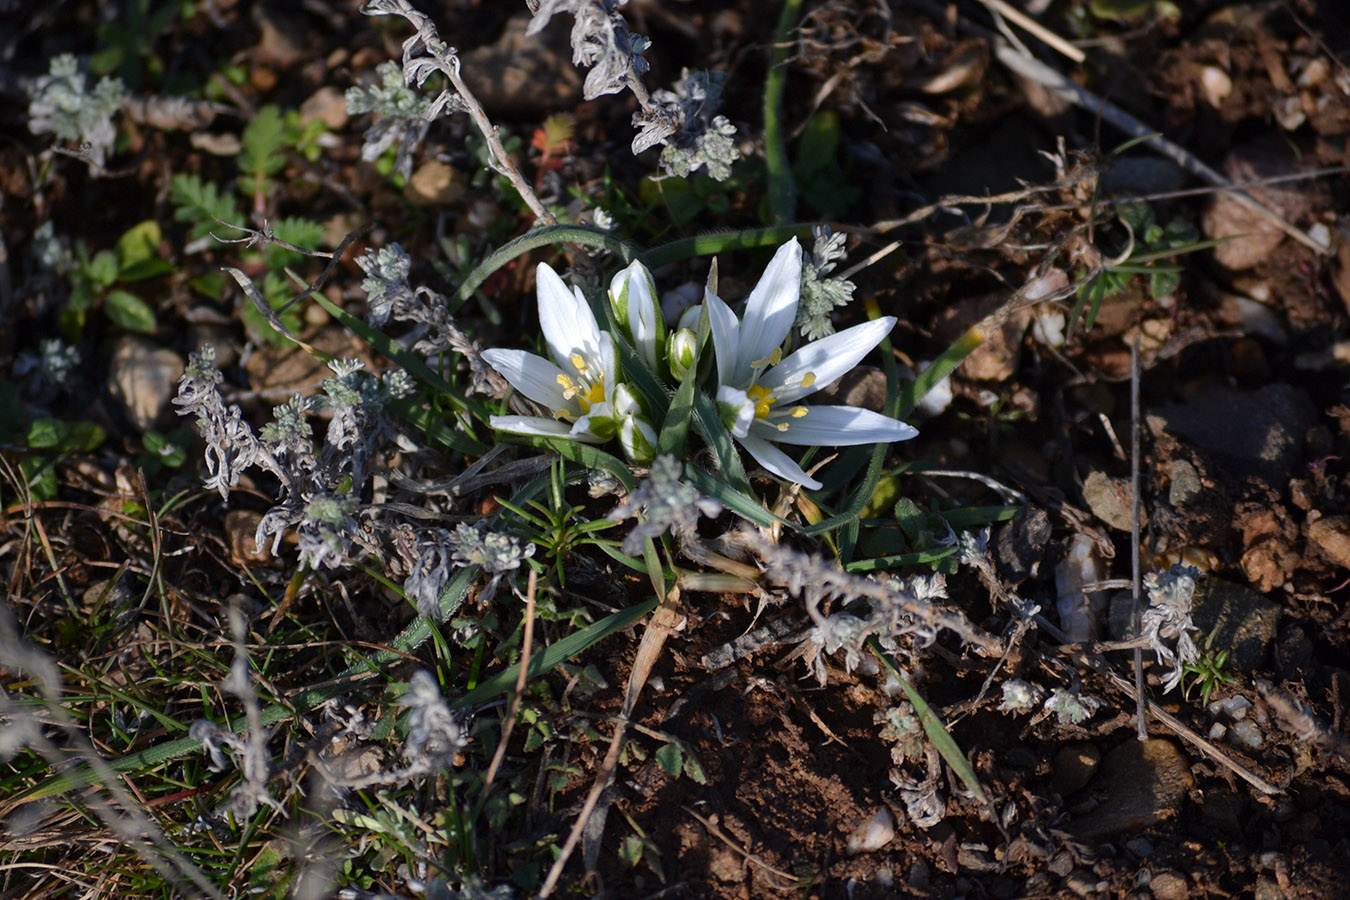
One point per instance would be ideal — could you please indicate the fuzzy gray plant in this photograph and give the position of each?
(391, 296)
(402, 116)
(62, 104)
(440, 551)
(1168, 618)
(700, 139)
(847, 610)
(663, 503)
(313, 499)
(821, 293)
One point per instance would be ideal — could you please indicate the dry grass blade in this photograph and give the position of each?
(664, 621)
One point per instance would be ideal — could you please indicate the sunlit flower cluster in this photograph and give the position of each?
(756, 380)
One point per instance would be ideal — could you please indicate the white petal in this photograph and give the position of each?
(533, 376)
(772, 306)
(644, 319)
(736, 409)
(835, 426)
(568, 323)
(827, 359)
(539, 427)
(777, 462)
(726, 339)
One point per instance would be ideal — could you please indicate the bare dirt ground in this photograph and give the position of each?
(1245, 430)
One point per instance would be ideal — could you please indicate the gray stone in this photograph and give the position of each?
(1144, 783)
(1257, 432)
(1073, 767)
(1241, 620)
(1108, 498)
(1185, 483)
(143, 378)
(1169, 886)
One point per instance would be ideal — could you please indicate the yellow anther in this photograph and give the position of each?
(808, 379)
(798, 412)
(578, 361)
(762, 397)
(782, 426)
(776, 357)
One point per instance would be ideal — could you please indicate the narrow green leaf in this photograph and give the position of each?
(504, 682)
(541, 237)
(932, 725)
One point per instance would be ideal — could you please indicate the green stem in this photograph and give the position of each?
(782, 188)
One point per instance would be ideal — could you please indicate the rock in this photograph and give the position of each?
(1144, 784)
(1081, 615)
(1108, 498)
(435, 184)
(1020, 545)
(873, 834)
(1184, 482)
(1331, 536)
(726, 866)
(241, 531)
(864, 387)
(327, 104)
(996, 359)
(1269, 536)
(1241, 620)
(1169, 886)
(521, 76)
(1253, 237)
(1073, 767)
(1259, 432)
(143, 378)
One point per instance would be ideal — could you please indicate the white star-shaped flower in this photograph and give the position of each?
(758, 388)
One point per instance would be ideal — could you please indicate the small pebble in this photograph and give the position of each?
(1246, 735)
(875, 833)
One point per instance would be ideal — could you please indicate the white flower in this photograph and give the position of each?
(758, 388)
(632, 296)
(581, 386)
(578, 386)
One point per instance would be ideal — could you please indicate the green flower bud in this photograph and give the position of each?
(626, 403)
(638, 440)
(682, 352)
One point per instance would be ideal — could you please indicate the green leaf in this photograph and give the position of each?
(533, 239)
(40, 475)
(262, 141)
(671, 759)
(630, 851)
(294, 230)
(102, 269)
(200, 203)
(139, 243)
(932, 725)
(129, 311)
(46, 434)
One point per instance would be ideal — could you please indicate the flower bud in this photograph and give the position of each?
(626, 403)
(638, 440)
(682, 352)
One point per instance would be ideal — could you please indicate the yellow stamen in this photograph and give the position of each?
(579, 361)
(782, 426)
(593, 394)
(798, 412)
(808, 379)
(763, 399)
(776, 357)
